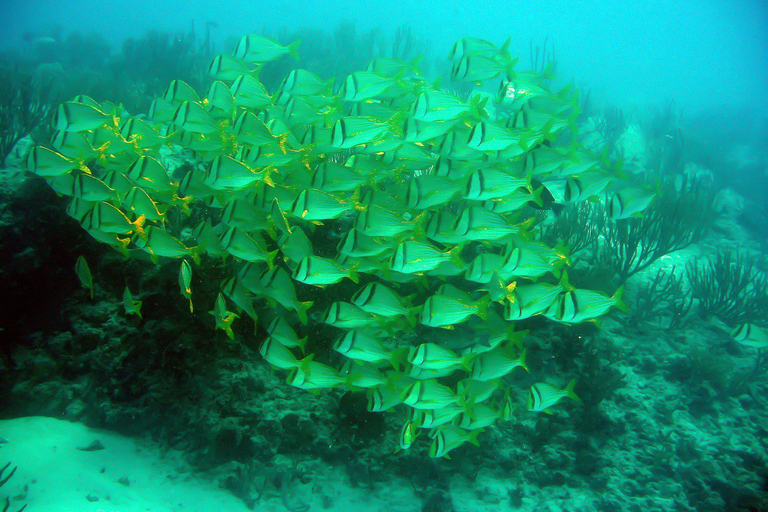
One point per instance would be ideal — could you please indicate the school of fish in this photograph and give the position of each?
(404, 202)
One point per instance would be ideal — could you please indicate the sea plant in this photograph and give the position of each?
(663, 296)
(377, 237)
(24, 105)
(3, 481)
(732, 287)
(681, 215)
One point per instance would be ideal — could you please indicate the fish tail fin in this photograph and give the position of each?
(482, 307)
(524, 366)
(569, 391)
(413, 315)
(472, 439)
(303, 344)
(399, 357)
(455, 256)
(536, 194)
(617, 297)
(302, 311)
(466, 362)
(303, 364)
(293, 49)
(477, 107)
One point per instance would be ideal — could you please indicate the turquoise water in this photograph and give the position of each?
(360, 261)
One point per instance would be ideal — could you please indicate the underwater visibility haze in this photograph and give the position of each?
(410, 256)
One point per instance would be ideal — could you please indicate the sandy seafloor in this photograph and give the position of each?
(660, 442)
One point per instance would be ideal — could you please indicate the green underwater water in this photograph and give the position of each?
(377, 269)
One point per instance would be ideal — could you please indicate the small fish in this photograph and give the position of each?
(478, 224)
(280, 356)
(348, 316)
(408, 435)
(242, 213)
(382, 398)
(301, 82)
(382, 300)
(148, 173)
(240, 244)
(84, 274)
(349, 132)
(282, 332)
(480, 391)
(413, 257)
(523, 262)
(590, 184)
(76, 146)
(157, 242)
(450, 437)
(429, 394)
(132, 307)
(487, 136)
(364, 85)
(143, 134)
(228, 174)
(240, 295)
(314, 375)
(141, 204)
(359, 245)
(433, 418)
(252, 130)
(434, 357)
(295, 246)
(333, 177)
(277, 283)
(497, 363)
(71, 116)
(436, 105)
(227, 67)
(629, 202)
(48, 163)
(88, 188)
(319, 271)
(314, 205)
(490, 183)
(221, 101)
(543, 396)
(475, 46)
(179, 91)
(577, 306)
(250, 93)
(751, 335)
(361, 346)
(426, 191)
(256, 49)
(442, 310)
(532, 299)
(109, 219)
(223, 317)
(185, 281)
(423, 131)
(476, 67)
(208, 241)
(192, 117)
(378, 221)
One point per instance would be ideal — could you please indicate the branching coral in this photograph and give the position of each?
(732, 287)
(665, 295)
(3, 481)
(24, 104)
(681, 215)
